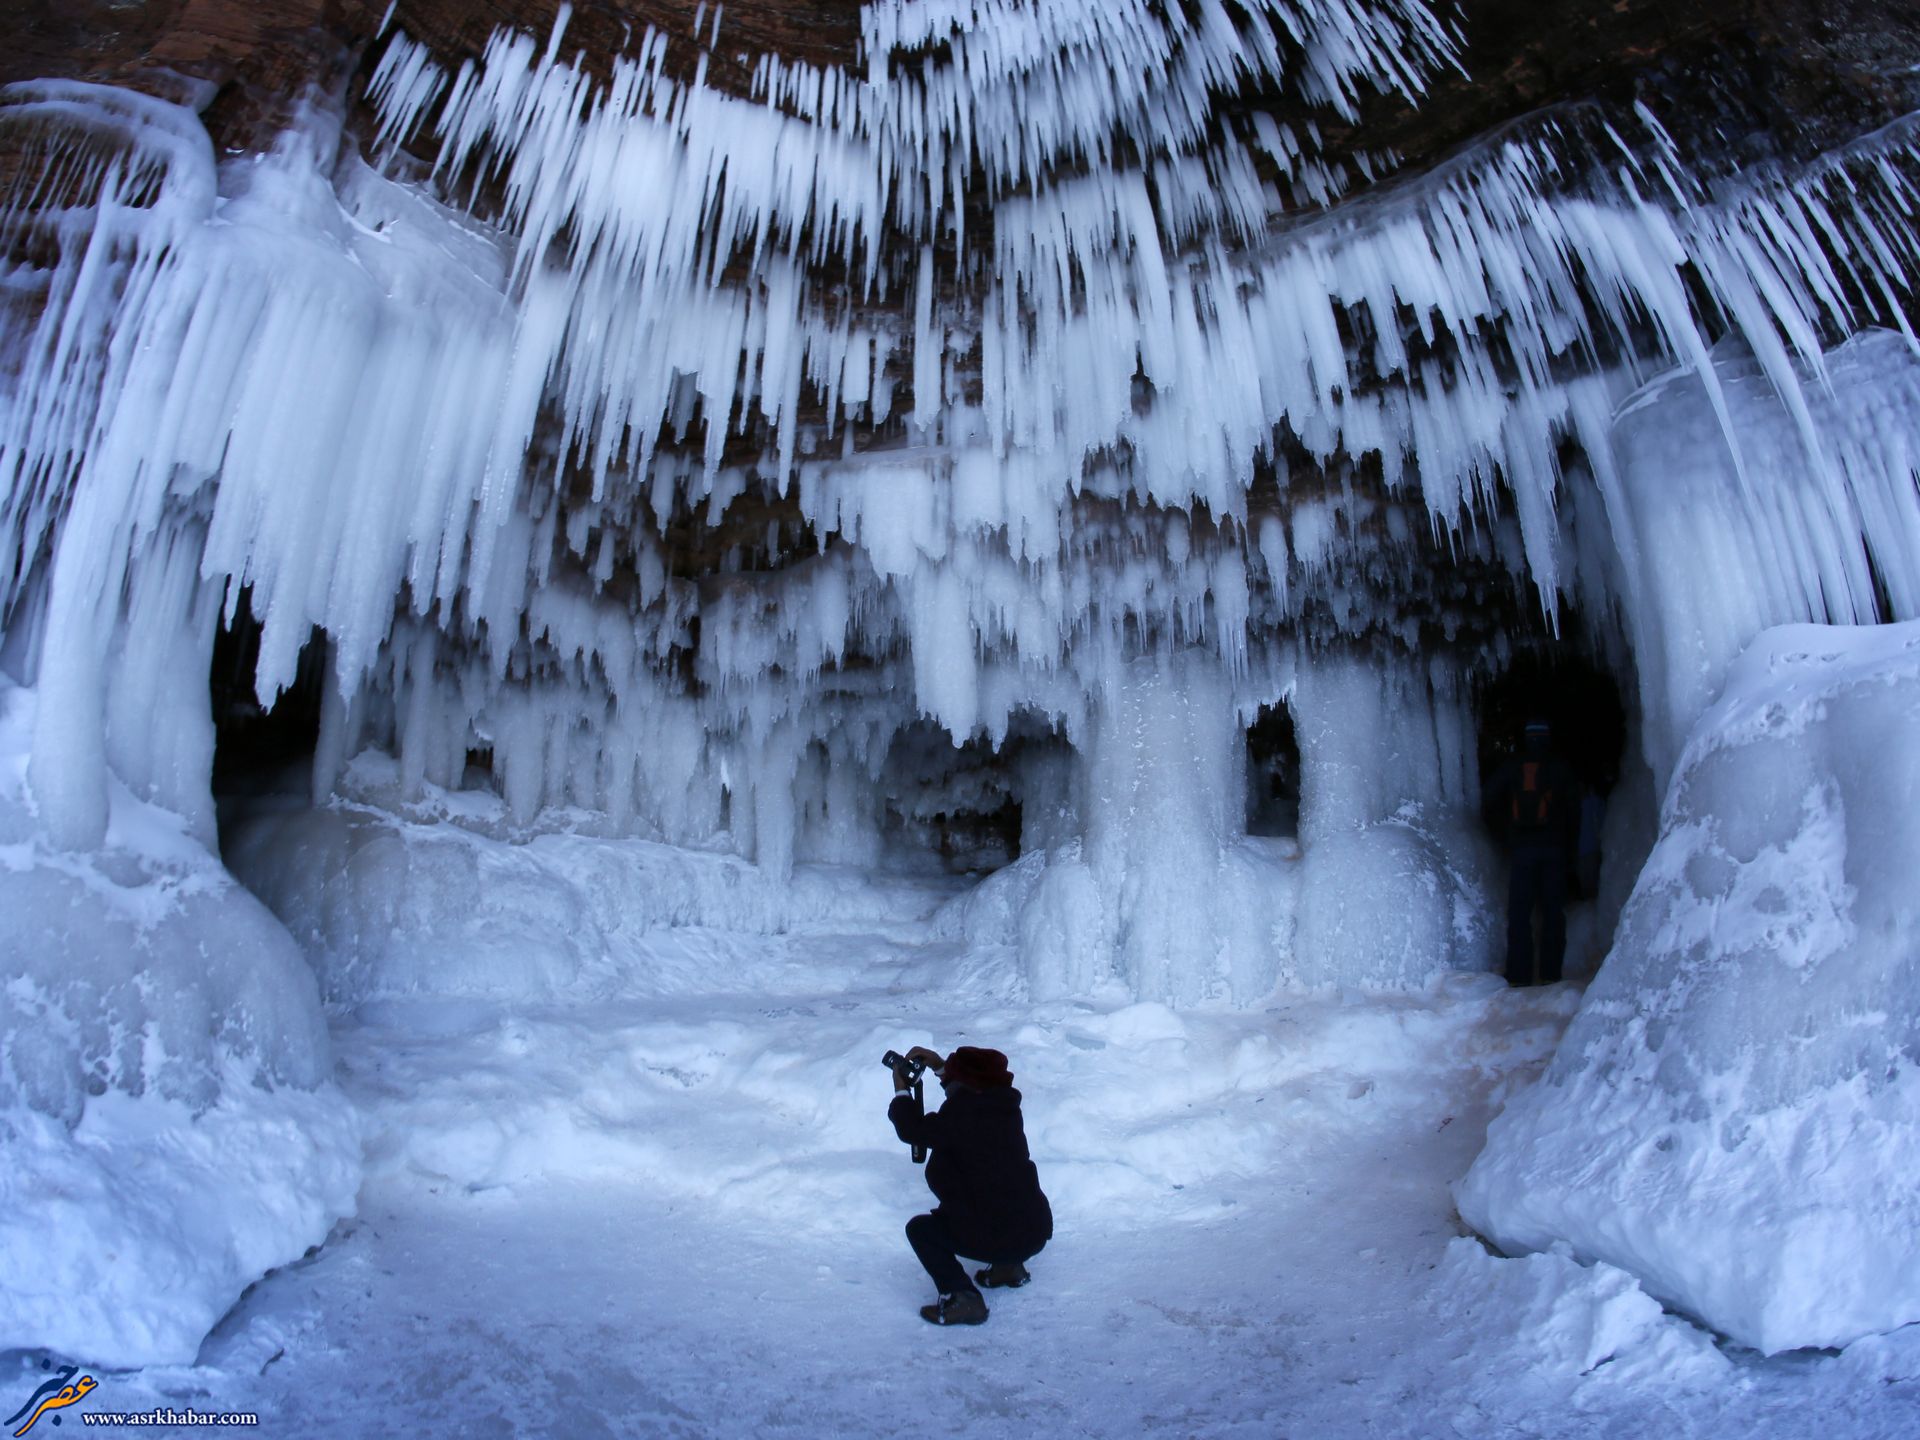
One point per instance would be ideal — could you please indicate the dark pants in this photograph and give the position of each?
(936, 1248)
(1538, 882)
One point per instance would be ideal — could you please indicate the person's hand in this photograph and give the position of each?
(900, 1085)
(932, 1059)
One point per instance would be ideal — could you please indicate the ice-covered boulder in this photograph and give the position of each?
(169, 1131)
(1734, 1114)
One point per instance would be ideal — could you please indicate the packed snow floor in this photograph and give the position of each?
(679, 1213)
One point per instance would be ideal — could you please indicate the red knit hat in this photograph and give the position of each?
(982, 1069)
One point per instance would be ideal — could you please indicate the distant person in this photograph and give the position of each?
(991, 1206)
(1533, 804)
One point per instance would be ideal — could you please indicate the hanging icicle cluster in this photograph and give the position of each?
(1004, 336)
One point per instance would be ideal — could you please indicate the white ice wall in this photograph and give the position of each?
(169, 1127)
(1719, 541)
(1394, 878)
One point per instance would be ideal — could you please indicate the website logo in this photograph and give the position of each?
(55, 1395)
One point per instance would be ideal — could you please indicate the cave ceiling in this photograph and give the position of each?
(1734, 80)
(1757, 71)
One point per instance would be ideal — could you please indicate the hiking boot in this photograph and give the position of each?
(964, 1307)
(1006, 1275)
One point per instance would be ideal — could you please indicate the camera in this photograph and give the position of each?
(909, 1070)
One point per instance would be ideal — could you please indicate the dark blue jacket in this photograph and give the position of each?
(979, 1170)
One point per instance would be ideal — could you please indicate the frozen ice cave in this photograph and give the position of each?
(1055, 448)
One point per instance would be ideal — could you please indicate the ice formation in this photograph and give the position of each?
(441, 895)
(168, 1121)
(1576, 1317)
(1734, 1115)
(1718, 555)
(1189, 408)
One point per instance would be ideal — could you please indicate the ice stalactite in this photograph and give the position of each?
(280, 398)
(1517, 252)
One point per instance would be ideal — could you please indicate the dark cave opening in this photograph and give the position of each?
(1273, 773)
(979, 806)
(959, 804)
(260, 751)
(1582, 703)
(1574, 694)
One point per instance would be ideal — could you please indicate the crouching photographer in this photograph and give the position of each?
(990, 1204)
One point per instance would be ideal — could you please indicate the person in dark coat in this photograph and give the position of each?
(990, 1206)
(1533, 804)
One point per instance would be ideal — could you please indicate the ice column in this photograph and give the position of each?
(1712, 557)
(1393, 874)
(1184, 920)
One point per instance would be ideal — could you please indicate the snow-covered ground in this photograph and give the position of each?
(679, 1213)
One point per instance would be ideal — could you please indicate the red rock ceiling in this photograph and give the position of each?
(1843, 64)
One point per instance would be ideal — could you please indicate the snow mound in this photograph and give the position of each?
(168, 1130)
(126, 1238)
(1310, 920)
(1572, 1319)
(446, 896)
(1075, 935)
(1734, 1114)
